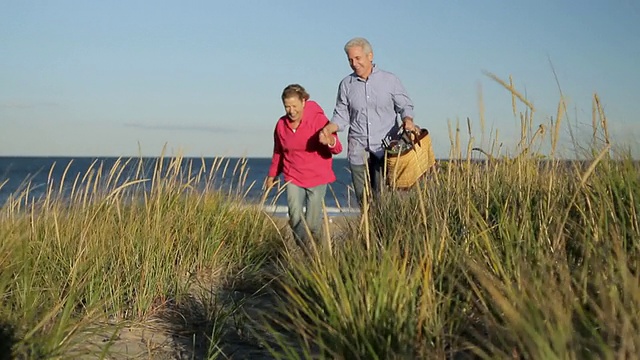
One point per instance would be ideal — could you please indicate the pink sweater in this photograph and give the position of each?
(299, 155)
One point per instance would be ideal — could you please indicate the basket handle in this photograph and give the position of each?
(413, 137)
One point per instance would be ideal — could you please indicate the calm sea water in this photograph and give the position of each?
(39, 173)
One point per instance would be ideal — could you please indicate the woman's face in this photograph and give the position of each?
(294, 107)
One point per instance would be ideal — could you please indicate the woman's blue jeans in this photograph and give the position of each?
(309, 222)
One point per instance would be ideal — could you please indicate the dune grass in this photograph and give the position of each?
(522, 256)
(69, 266)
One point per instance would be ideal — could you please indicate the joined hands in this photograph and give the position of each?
(326, 137)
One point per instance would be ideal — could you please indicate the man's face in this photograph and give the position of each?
(360, 63)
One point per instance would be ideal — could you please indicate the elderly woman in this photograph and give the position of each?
(304, 157)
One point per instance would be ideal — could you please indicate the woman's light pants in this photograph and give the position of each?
(309, 222)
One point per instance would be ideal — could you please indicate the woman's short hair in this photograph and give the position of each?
(295, 90)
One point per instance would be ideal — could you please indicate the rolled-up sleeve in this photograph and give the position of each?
(341, 111)
(401, 100)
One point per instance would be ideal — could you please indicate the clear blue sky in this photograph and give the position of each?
(107, 77)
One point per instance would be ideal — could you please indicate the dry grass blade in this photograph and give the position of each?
(556, 130)
(511, 89)
(481, 110)
(603, 118)
(583, 181)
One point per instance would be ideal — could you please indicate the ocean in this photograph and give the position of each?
(40, 173)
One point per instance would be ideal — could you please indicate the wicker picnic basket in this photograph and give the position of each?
(405, 167)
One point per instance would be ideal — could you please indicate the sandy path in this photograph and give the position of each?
(180, 332)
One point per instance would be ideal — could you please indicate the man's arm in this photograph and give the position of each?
(330, 128)
(340, 119)
(403, 105)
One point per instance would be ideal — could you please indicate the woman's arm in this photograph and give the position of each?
(276, 159)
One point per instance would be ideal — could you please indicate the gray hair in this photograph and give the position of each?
(359, 42)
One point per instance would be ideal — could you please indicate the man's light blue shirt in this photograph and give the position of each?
(370, 108)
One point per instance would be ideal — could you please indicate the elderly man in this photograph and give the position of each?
(368, 102)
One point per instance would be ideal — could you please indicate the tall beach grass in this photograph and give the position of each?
(110, 252)
(500, 253)
(522, 255)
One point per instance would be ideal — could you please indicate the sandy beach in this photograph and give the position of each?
(157, 338)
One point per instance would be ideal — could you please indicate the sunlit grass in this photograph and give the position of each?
(112, 252)
(520, 255)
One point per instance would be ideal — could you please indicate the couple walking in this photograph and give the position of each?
(305, 140)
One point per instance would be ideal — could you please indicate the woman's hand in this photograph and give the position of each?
(269, 182)
(325, 139)
(326, 134)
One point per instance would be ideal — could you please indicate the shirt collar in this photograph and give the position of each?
(373, 71)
